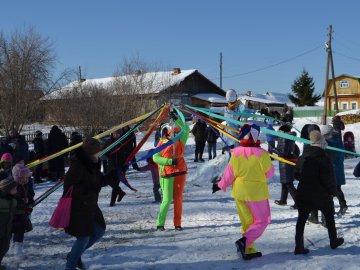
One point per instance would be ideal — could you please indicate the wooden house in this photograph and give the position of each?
(348, 93)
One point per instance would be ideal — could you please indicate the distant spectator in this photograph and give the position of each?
(104, 159)
(21, 148)
(269, 137)
(56, 141)
(5, 147)
(6, 164)
(211, 138)
(75, 138)
(199, 132)
(39, 148)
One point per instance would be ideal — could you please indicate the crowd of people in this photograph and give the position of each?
(320, 174)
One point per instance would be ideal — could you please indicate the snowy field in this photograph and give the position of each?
(211, 226)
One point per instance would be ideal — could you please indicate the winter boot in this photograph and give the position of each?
(160, 228)
(299, 245)
(279, 202)
(121, 195)
(343, 209)
(240, 246)
(178, 228)
(336, 242)
(80, 264)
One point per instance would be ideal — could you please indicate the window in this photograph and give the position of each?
(344, 84)
(334, 105)
(353, 105)
(344, 105)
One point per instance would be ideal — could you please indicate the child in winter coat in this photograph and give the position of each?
(286, 149)
(6, 163)
(154, 169)
(247, 172)
(7, 211)
(211, 138)
(21, 223)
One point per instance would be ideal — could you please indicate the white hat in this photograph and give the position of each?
(326, 129)
(231, 95)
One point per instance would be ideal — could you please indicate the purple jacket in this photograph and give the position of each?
(153, 168)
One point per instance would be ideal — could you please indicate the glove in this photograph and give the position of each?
(215, 188)
(174, 162)
(173, 115)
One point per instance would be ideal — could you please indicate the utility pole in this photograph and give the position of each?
(328, 63)
(221, 70)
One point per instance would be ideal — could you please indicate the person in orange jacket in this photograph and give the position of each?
(172, 171)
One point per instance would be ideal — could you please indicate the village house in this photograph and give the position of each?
(185, 86)
(348, 93)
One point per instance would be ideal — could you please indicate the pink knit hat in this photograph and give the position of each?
(21, 173)
(7, 157)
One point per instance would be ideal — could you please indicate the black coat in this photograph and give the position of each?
(317, 184)
(199, 131)
(39, 147)
(284, 149)
(211, 136)
(87, 180)
(56, 141)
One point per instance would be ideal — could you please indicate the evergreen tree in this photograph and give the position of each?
(303, 89)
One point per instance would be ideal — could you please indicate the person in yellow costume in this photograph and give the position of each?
(248, 170)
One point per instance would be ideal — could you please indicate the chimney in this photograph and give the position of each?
(176, 71)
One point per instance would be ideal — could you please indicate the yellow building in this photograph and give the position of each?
(348, 93)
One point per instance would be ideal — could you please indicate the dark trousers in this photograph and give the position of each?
(19, 237)
(303, 214)
(156, 191)
(199, 149)
(37, 173)
(341, 197)
(212, 150)
(271, 145)
(4, 246)
(288, 188)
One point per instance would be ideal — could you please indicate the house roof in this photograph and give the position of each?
(210, 97)
(347, 75)
(267, 98)
(151, 82)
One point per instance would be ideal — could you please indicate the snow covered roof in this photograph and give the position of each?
(151, 82)
(213, 98)
(268, 97)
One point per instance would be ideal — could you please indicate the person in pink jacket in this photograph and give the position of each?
(247, 172)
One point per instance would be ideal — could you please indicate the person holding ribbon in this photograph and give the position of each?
(172, 171)
(247, 172)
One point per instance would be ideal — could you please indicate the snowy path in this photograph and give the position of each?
(211, 226)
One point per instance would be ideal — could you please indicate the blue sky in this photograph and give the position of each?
(252, 35)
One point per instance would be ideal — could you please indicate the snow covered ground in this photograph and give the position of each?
(211, 226)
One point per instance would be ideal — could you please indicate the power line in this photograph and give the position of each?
(346, 56)
(272, 65)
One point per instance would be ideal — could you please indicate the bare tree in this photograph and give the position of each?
(26, 62)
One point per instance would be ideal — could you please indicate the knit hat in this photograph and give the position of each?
(21, 173)
(91, 146)
(231, 95)
(7, 184)
(317, 139)
(253, 129)
(6, 157)
(285, 128)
